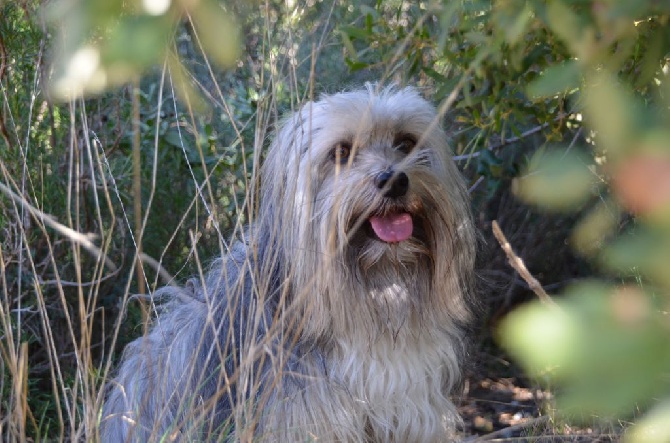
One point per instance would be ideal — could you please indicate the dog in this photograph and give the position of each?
(339, 314)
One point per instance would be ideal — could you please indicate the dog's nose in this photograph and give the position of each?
(398, 186)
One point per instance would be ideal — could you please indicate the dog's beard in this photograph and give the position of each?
(390, 282)
(346, 275)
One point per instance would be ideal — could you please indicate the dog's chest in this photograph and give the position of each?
(384, 369)
(401, 389)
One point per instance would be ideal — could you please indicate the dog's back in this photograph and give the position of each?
(180, 380)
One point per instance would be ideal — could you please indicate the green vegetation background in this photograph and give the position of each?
(558, 113)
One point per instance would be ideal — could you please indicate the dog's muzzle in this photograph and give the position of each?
(394, 183)
(396, 226)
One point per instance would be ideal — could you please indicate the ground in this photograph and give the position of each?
(512, 408)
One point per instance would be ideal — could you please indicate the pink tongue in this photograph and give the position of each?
(393, 228)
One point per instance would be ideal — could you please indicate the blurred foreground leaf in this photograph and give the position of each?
(557, 180)
(217, 32)
(601, 222)
(600, 336)
(654, 427)
(528, 329)
(555, 80)
(645, 251)
(611, 112)
(106, 43)
(642, 181)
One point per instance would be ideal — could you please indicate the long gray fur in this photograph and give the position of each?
(309, 328)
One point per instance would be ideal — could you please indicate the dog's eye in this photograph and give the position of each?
(341, 152)
(405, 143)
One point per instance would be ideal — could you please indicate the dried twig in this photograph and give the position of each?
(168, 279)
(83, 239)
(520, 267)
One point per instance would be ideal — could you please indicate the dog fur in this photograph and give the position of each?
(312, 327)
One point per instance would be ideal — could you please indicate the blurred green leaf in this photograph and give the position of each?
(567, 25)
(653, 427)
(355, 65)
(353, 32)
(650, 62)
(513, 18)
(646, 251)
(348, 45)
(527, 331)
(178, 139)
(183, 86)
(557, 180)
(217, 33)
(133, 44)
(592, 344)
(593, 229)
(555, 80)
(610, 111)
(107, 43)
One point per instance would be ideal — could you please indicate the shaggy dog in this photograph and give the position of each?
(338, 315)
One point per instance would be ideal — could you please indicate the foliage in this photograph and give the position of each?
(565, 101)
(618, 53)
(106, 43)
(570, 68)
(67, 175)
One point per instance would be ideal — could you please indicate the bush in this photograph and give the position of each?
(592, 77)
(564, 102)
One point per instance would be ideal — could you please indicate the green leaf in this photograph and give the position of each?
(649, 62)
(528, 331)
(610, 111)
(592, 230)
(557, 180)
(565, 23)
(354, 32)
(135, 43)
(555, 80)
(178, 139)
(217, 33)
(604, 346)
(183, 86)
(653, 427)
(348, 45)
(445, 88)
(513, 19)
(518, 28)
(368, 23)
(430, 72)
(645, 251)
(355, 65)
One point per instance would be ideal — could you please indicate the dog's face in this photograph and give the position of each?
(369, 176)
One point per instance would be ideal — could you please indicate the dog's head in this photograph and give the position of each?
(361, 197)
(368, 174)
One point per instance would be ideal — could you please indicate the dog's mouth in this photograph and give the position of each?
(391, 224)
(393, 227)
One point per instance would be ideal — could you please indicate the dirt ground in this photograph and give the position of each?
(511, 408)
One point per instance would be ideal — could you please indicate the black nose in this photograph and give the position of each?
(396, 184)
